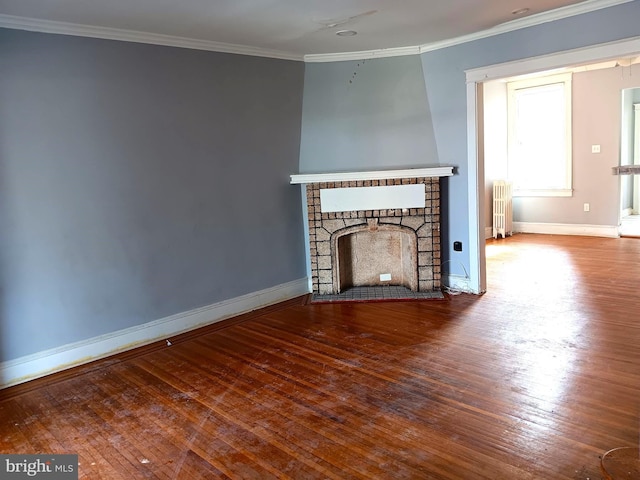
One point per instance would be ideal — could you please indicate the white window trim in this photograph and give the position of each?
(564, 78)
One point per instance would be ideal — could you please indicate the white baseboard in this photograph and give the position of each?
(566, 229)
(457, 283)
(43, 363)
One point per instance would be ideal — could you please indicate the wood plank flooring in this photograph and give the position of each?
(533, 380)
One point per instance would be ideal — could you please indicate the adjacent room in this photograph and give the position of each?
(586, 114)
(188, 190)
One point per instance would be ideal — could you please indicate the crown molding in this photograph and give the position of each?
(545, 63)
(530, 21)
(64, 28)
(362, 55)
(107, 33)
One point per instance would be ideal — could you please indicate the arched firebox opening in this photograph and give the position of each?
(375, 254)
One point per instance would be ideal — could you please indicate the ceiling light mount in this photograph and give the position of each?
(346, 33)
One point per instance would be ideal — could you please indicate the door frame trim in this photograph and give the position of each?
(475, 161)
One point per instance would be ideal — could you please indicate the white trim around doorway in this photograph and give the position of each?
(477, 76)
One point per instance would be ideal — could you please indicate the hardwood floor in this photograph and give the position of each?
(533, 380)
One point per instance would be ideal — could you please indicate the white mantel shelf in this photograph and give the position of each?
(438, 171)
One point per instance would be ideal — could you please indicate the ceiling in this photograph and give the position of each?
(292, 27)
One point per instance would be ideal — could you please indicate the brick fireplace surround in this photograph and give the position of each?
(413, 231)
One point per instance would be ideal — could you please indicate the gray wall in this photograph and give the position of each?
(367, 114)
(139, 181)
(445, 81)
(597, 119)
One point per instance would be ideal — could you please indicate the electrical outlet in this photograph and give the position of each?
(587, 207)
(595, 148)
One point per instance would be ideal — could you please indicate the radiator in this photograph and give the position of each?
(502, 209)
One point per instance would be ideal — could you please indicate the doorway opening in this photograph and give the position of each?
(630, 155)
(479, 204)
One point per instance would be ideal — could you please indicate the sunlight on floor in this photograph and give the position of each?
(494, 249)
(541, 269)
(541, 279)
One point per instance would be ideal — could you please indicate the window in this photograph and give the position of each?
(539, 132)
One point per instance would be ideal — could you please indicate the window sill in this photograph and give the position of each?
(559, 192)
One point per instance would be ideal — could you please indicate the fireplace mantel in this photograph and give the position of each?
(435, 171)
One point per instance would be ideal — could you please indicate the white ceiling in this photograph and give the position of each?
(293, 27)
